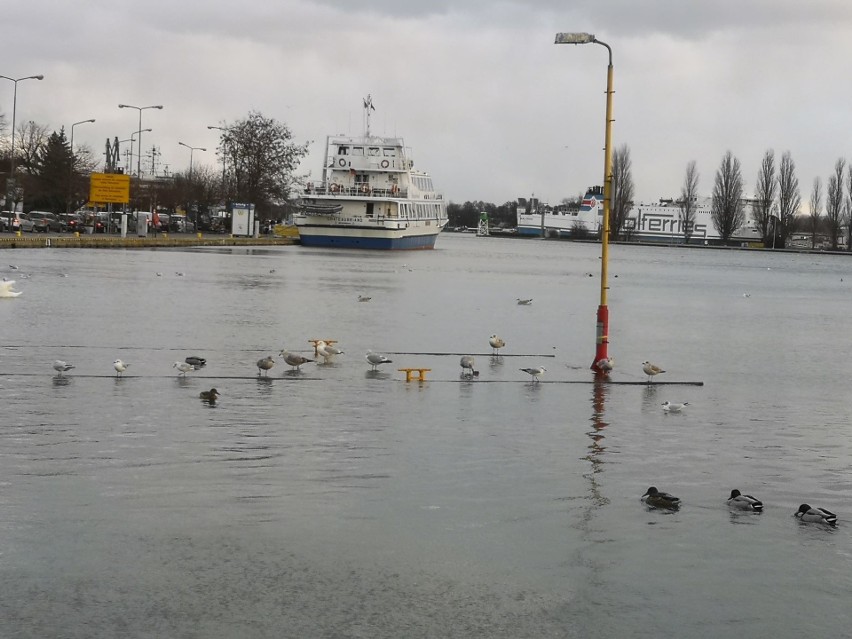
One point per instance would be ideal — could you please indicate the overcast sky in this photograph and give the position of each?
(485, 100)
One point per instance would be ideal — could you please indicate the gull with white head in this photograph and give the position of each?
(120, 367)
(61, 367)
(183, 368)
(535, 372)
(377, 359)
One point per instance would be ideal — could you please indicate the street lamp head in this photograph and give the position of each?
(574, 38)
(125, 106)
(36, 77)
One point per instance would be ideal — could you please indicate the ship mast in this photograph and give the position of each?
(368, 106)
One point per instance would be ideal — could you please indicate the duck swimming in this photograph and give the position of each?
(656, 499)
(816, 515)
(744, 502)
(209, 396)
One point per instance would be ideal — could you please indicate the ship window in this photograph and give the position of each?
(357, 150)
(343, 150)
(388, 153)
(374, 150)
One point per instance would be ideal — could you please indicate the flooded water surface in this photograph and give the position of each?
(341, 502)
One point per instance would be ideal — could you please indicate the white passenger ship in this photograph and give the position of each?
(656, 222)
(370, 196)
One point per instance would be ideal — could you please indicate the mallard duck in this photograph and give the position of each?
(496, 343)
(197, 362)
(816, 515)
(651, 370)
(209, 396)
(656, 499)
(744, 502)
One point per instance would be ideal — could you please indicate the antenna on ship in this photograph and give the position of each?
(368, 106)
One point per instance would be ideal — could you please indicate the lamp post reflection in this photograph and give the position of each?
(600, 389)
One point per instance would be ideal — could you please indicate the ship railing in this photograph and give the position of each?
(348, 191)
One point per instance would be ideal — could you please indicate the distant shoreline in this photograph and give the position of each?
(162, 240)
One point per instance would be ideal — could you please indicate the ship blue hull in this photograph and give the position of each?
(412, 242)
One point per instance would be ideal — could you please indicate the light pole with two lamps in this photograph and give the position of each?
(71, 167)
(191, 149)
(10, 183)
(600, 364)
(139, 131)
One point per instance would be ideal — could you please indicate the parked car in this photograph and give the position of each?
(73, 222)
(44, 222)
(180, 224)
(13, 222)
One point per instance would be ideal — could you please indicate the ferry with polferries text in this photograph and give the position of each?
(655, 222)
(370, 196)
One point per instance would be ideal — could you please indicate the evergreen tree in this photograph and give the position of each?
(53, 174)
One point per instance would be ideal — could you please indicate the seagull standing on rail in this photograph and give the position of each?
(651, 370)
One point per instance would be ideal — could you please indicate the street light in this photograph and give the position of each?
(11, 183)
(140, 109)
(191, 149)
(130, 139)
(225, 130)
(71, 167)
(602, 328)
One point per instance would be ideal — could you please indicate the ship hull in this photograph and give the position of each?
(365, 238)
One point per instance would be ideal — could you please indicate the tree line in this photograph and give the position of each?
(257, 155)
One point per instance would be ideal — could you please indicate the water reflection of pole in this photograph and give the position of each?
(596, 448)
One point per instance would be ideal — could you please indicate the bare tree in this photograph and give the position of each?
(848, 206)
(30, 139)
(728, 212)
(789, 200)
(765, 191)
(834, 203)
(263, 159)
(688, 204)
(815, 216)
(622, 190)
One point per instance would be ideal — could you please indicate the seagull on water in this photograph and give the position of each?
(376, 359)
(496, 343)
(264, 365)
(651, 370)
(744, 502)
(120, 367)
(294, 359)
(364, 298)
(197, 362)
(656, 499)
(669, 407)
(209, 396)
(6, 289)
(605, 365)
(525, 302)
(60, 367)
(468, 371)
(183, 368)
(327, 351)
(535, 372)
(816, 515)
(14, 267)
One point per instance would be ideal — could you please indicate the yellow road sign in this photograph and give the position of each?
(109, 188)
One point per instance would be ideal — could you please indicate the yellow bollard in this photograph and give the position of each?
(76, 233)
(199, 235)
(18, 233)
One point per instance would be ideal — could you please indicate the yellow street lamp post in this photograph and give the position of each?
(600, 365)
